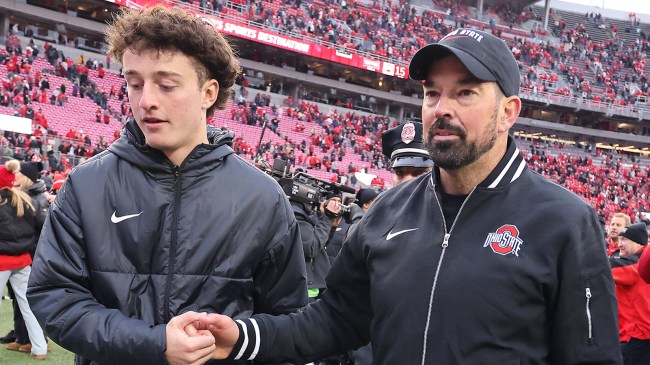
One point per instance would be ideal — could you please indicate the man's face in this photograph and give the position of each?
(615, 226)
(459, 115)
(169, 104)
(628, 247)
(405, 173)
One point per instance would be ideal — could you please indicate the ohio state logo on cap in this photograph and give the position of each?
(408, 133)
(505, 240)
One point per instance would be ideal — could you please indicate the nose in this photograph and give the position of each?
(148, 99)
(442, 108)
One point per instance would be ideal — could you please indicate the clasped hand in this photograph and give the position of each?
(194, 338)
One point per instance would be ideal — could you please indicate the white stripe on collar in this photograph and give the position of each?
(505, 169)
(521, 167)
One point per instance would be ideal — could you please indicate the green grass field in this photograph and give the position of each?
(58, 355)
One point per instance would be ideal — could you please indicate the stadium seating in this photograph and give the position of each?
(374, 28)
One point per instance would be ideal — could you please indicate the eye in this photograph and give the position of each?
(167, 87)
(466, 92)
(431, 94)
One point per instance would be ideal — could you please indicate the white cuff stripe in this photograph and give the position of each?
(245, 343)
(257, 339)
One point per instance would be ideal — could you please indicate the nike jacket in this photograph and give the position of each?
(132, 241)
(520, 277)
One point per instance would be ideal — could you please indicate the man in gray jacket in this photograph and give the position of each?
(159, 228)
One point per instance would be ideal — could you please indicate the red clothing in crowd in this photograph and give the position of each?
(611, 246)
(644, 266)
(633, 296)
(15, 262)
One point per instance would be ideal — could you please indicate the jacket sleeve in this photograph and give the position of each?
(625, 275)
(339, 321)
(280, 282)
(584, 318)
(314, 232)
(644, 266)
(62, 299)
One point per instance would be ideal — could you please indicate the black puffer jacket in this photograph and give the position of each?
(16, 234)
(132, 241)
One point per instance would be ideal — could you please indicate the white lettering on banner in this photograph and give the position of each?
(400, 71)
(371, 65)
(388, 69)
(283, 42)
(240, 31)
(216, 23)
(344, 54)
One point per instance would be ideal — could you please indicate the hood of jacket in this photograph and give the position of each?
(132, 147)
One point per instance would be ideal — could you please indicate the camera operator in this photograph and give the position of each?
(314, 231)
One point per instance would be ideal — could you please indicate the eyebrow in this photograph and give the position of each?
(469, 80)
(157, 73)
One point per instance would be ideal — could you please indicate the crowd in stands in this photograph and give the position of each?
(332, 144)
(614, 185)
(612, 71)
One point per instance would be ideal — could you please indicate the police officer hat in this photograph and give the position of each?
(403, 146)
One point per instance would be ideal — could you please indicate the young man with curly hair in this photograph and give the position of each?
(151, 234)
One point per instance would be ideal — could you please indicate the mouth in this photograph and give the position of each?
(443, 134)
(152, 121)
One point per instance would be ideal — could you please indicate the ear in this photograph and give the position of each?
(209, 93)
(510, 109)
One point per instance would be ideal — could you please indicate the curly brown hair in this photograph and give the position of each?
(170, 29)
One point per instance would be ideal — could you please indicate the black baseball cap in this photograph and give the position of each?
(403, 146)
(487, 57)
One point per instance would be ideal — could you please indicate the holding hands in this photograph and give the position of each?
(195, 338)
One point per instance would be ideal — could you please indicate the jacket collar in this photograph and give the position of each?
(509, 169)
(132, 147)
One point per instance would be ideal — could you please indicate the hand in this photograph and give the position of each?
(333, 207)
(224, 330)
(188, 346)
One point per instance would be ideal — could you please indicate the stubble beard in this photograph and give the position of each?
(452, 155)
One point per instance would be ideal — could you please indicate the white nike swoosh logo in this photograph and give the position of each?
(390, 234)
(116, 219)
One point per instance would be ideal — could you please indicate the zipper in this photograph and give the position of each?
(590, 335)
(445, 244)
(173, 243)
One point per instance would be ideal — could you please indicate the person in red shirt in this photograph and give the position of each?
(633, 295)
(616, 224)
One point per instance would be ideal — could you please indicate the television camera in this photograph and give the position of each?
(301, 187)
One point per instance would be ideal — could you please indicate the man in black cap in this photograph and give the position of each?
(633, 295)
(403, 146)
(480, 262)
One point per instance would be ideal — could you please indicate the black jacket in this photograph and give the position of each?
(16, 234)
(39, 199)
(133, 240)
(521, 277)
(314, 233)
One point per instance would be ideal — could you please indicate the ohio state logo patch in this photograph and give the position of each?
(408, 133)
(505, 240)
